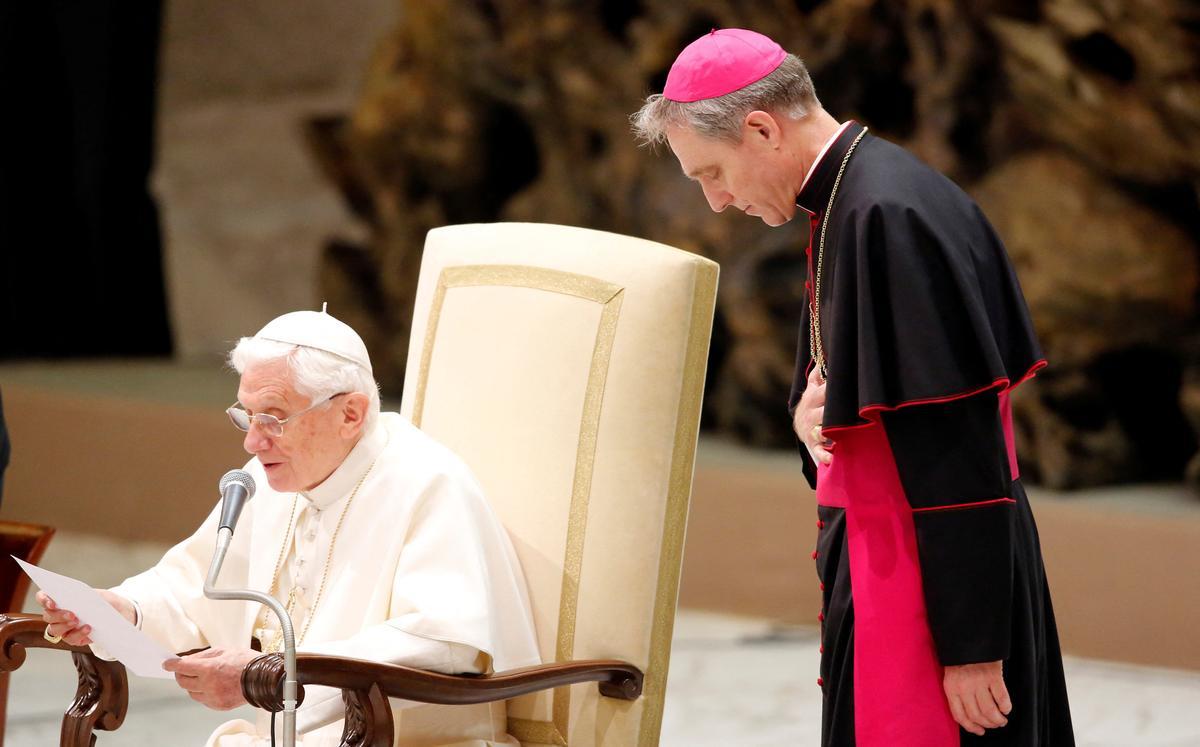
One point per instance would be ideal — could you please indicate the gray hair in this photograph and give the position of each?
(787, 90)
(315, 373)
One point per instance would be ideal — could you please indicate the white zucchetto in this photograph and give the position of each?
(320, 331)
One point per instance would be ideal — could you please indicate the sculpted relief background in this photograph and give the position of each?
(1075, 124)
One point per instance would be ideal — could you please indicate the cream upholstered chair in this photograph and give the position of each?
(566, 367)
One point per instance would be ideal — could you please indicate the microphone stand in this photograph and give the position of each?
(290, 681)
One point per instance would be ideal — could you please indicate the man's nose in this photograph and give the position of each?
(718, 199)
(256, 441)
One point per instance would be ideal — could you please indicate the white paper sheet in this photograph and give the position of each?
(137, 651)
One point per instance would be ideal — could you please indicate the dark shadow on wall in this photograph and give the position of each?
(81, 268)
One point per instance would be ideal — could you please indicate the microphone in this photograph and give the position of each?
(237, 487)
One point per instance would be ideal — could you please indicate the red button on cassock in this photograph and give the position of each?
(820, 682)
(821, 617)
(814, 554)
(822, 649)
(820, 524)
(822, 587)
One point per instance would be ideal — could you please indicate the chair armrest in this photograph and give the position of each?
(262, 680)
(21, 630)
(102, 697)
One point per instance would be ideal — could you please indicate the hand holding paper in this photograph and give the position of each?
(64, 624)
(138, 652)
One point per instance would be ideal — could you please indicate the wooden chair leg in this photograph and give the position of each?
(3, 704)
(101, 701)
(368, 719)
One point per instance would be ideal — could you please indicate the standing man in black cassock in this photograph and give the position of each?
(937, 627)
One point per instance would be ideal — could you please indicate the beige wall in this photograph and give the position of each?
(120, 467)
(1123, 579)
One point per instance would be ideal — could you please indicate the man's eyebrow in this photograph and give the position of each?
(265, 409)
(699, 171)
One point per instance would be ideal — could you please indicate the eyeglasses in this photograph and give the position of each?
(270, 425)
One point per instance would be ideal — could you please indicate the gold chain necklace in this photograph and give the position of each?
(271, 639)
(816, 350)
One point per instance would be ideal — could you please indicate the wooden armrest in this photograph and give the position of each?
(262, 680)
(21, 630)
(102, 697)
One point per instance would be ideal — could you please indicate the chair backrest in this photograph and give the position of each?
(27, 542)
(566, 366)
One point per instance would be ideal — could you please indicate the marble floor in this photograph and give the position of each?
(734, 682)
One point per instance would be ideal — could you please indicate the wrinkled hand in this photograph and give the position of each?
(978, 696)
(64, 622)
(213, 676)
(809, 415)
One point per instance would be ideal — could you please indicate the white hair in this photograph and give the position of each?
(787, 90)
(314, 373)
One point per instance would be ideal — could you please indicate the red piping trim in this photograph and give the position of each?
(1003, 384)
(952, 507)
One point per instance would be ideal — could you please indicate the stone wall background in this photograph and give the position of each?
(244, 210)
(1076, 124)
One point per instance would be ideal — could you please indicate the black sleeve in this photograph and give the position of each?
(799, 384)
(953, 466)
(809, 466)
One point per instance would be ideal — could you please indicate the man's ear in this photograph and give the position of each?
(761, 128)
(354, 413)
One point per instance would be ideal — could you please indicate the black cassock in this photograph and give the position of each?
(927, 551)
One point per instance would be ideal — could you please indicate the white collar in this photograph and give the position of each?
(824, 148)
(343, 479)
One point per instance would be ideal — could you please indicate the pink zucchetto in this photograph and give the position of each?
(720, 62)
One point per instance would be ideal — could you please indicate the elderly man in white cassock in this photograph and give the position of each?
(376, 538)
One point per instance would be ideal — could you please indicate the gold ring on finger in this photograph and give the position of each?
(816, 433)
(51, 638)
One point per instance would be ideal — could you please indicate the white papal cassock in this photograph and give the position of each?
(421, 574)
